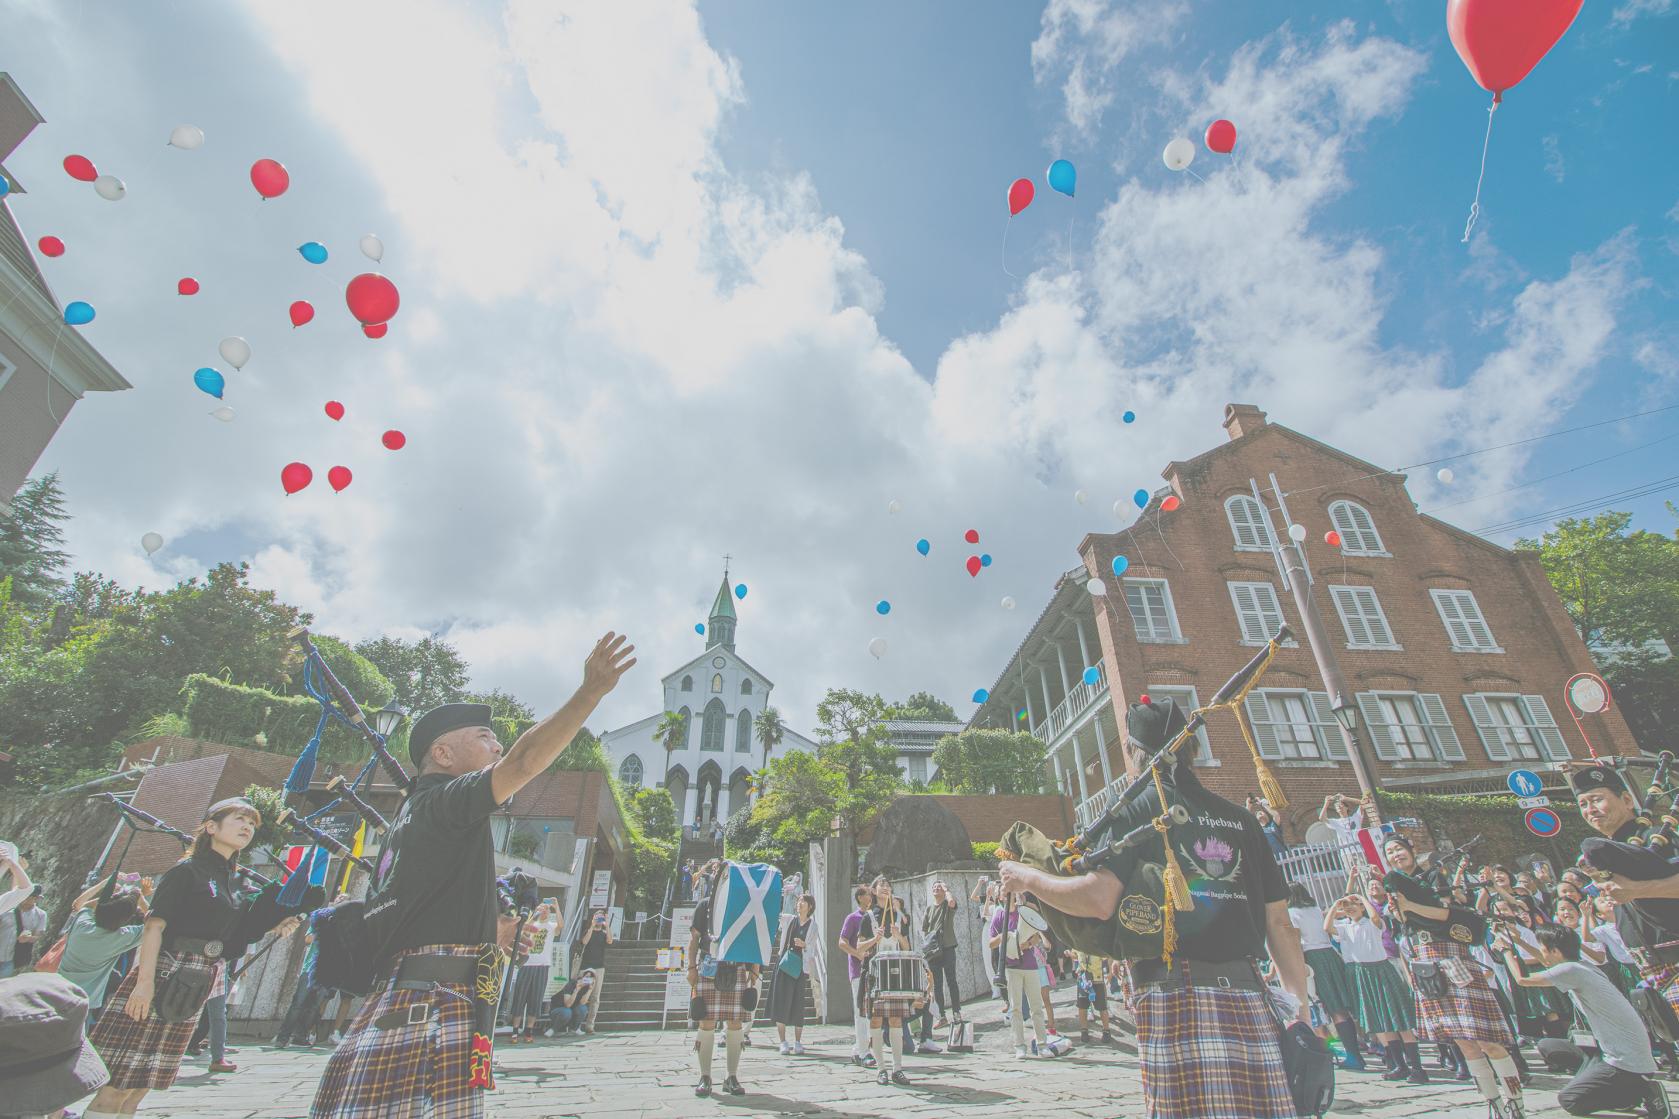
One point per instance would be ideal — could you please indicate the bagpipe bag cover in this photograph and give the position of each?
(1136, 929)
(746, 914)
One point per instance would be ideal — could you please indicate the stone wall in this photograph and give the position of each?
(61, 837)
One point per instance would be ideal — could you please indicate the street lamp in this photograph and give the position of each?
(1346, 714)
(388, 718)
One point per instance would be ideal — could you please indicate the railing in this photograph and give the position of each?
(1076, 703)
(1322, 868)
(1094, 805)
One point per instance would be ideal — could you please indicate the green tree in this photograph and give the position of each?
(924, 707)
(583, 752)
(852, 741)
(358, 674)
(769, 730)
(801, 798)
(424, 673)
(30, 539)
(655, 813)
(990, 761)
(1620, 588)
(270, 837)
(671, 732)
(512, 717)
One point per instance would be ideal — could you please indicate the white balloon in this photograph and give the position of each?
(372, 248)
(110, 188)
(893, 507)
(1297, 533)
(1081, 497)
(878, 647)
(1178, 154)
(1122, 509)
(151, 542)
(1445, 475)
(224, 414)
(1008, 602)
(1096, 586)
(235, 351)
(187, 137)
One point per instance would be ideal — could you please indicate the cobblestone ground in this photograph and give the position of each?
(650, 1074)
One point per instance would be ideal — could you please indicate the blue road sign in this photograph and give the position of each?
(1543, 822)
(1524, 783)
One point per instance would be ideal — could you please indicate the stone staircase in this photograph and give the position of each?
(634, 996)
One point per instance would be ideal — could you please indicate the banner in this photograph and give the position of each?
(677, 991)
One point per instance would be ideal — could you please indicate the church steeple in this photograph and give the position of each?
(720, 630)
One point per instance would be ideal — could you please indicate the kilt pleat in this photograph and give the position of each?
(1385, 1004)
(141, 1054)
(1333, 984)
(721, 1006)
(1208, 1053)
(420, 1071)
(1467, 1013)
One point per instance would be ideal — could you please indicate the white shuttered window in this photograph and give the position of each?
(1249, 524)
(1362, 618)
(1257, 611)
(1150, 603)
(1358, 531)
(1516, 727)
(1187, 701)
(1464, 624)
(1408, 726)
(1294, 725)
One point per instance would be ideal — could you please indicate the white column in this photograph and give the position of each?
(1043, 679)
(1102, 750)
(1084, 643)
(1031, 716)
(1055, 757)
(691, 810)
(1061, 659)
(722, 800)
(1078, 762)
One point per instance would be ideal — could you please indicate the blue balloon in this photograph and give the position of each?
(1141, 498)
(699, 628)
(1061, 176)
(1120, 564)
(1129, 417)
(5, 187)
(78, 313)
(210, 381)
(981, 695)
(740, 590)
(313, 251)
(985, 560)
(923, 547)
(1092, 674)
(883, 607)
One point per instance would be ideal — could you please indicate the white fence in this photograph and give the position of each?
(1322, 868)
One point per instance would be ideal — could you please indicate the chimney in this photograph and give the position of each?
(1242, 419)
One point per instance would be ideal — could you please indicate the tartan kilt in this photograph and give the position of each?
(1467, 1013)
(142, 1054)
(892, 1004)
(1334, 986)
(406, 1072)
(721, 1006)
(1662, 978)
(1210, 1053)
(1385, 1004)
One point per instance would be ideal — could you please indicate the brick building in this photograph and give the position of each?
(1457, 649)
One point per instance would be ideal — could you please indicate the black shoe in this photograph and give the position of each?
(900, 1078)
(278, 1044)
(1462, 1075)
(1655, 1102)
(732, 1086)
(1084, 1036)
(883, 1077)
(703, 1088)
(1397, 1072)
(1418, 1076)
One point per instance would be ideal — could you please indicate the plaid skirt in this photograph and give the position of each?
(1466, 1013)
(1333, 984)
(720, 1006)
(405, 1072)
(142, 1054)
(892, 1004)
(1208, 1053)
(1385, 1004)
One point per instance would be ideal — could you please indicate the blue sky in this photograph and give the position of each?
(680, 282)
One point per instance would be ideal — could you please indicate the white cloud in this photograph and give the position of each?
(1555, 166)
(1083, 43)
(1630, 10)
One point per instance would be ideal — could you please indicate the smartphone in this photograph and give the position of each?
(1591, 890)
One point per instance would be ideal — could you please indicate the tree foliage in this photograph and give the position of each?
(30, 539)
(424, 673)
(852, 775)
(358, 674)
(924, 707)
(655, 813)
(990, 761)
(270, 837)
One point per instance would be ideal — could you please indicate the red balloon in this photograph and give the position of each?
(295, 476)
(187, 286)
(971, 536)
(338, 477)
(375, 329)
(334, 410)
(1170, 504)
(974, 565)
(81, 168)
(51, 246)
(394, 440)
(1501, 40)
(1332, 538)
(1221, 136)
(1020, 195)
(270, 178)
(372, 298)
(301, 313)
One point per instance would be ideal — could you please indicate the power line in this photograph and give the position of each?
(1558, 474)
(1644, 489)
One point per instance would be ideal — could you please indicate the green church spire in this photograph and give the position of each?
(721, 628)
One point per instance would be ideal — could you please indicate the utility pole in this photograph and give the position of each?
(1290, 558)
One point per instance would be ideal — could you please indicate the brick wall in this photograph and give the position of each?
(1193, 550)
(988, 817)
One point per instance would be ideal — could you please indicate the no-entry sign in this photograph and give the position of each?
(1543, 822)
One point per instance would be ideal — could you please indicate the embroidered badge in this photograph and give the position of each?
(212, 885)
(1460, 933)
(1140, 914)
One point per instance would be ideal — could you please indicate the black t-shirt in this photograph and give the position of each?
(437, 877)
(1227, 862)
(196, 901)
(594, 952)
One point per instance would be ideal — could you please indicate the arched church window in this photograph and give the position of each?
(717, 682)
(743, 732)
(713, 725)
(687, 683)
(630, 772)
(746, 686)
(687, 728)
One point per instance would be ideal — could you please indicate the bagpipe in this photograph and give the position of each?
(139, 821)
(1144, 922)
(1465, 926)
(1649, 926)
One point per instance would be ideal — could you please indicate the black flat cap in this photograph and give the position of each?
(1595, 777)
(442, 719)
(1153, 723)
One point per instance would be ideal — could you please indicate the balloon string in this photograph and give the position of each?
(1006, 271)
(50, 358)
(1475, 206)
(1196, 177)
(1069, 244)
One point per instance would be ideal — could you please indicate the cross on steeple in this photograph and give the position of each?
(726, 559)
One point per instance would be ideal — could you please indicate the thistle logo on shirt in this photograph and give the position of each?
(212, 885)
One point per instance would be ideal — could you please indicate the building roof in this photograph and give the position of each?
(723, 606)
(1068, 585)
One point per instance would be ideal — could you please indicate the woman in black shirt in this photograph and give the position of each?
(787, 991)
(196, 922)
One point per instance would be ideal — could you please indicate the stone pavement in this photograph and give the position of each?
(619, 1076)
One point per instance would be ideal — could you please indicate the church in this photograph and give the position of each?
(719, 697)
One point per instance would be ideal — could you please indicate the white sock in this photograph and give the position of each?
(708, 1044)
(1509, 1077)
(897, 1049)
(731, 1048)
(1481, 1069)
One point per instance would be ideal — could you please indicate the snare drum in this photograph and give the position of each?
(897, 973)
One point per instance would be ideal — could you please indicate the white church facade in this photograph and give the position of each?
(708, 771)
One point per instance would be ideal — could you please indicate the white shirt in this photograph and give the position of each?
(11, 899)
(1361, 941)
(1346, 827)
(1610, 937)
(1310, 923)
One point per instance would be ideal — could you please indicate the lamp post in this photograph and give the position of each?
(388, 718)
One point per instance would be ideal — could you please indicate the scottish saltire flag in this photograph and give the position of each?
(1370, 840)
(746, 914)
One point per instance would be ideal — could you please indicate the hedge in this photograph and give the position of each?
(1496, 819)
(237, 715)
(985, 852)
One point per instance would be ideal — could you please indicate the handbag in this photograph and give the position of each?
(50, 958)
(708, 966)
(1429, 980)
(792, 965)
(961, 1037)
(182, 988)
(1309, 1068)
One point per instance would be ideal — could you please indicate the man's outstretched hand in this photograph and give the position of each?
(611, 657)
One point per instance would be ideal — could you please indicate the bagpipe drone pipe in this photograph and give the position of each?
(1650, 926)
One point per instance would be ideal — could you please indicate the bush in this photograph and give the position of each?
(283, 724)
(748, 842)
(655, 813)
(985, 852)
(653, 860)
(1497, 819)
(522, 845)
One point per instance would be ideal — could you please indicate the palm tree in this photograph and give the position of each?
(671, 732)
(770, 731)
